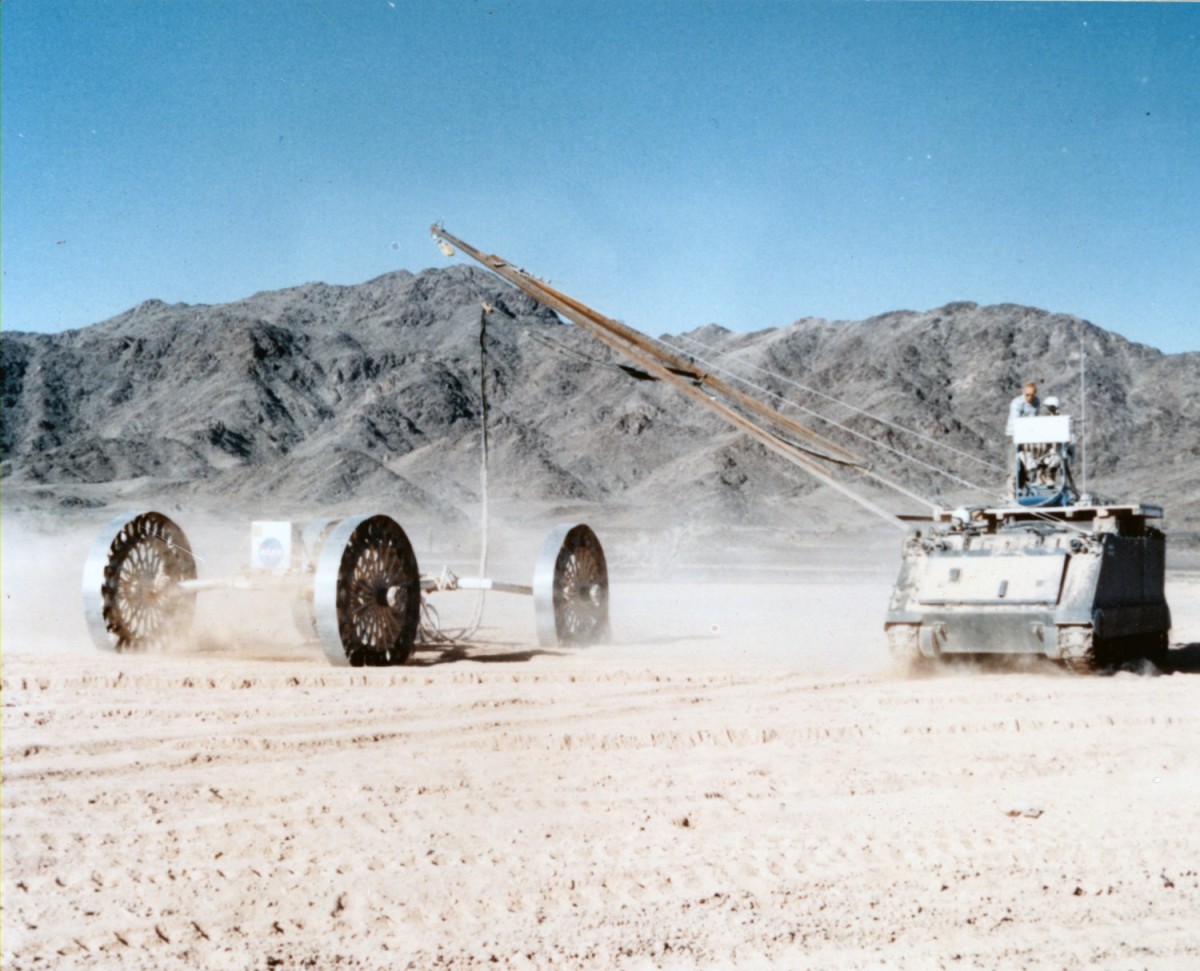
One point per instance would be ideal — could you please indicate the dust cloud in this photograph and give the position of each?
(41, 570)
(41, 576)
(725, 595)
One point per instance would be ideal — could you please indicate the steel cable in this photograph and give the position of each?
(866, 414)
(713, 366)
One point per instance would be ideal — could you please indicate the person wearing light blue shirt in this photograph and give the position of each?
(1025, 405)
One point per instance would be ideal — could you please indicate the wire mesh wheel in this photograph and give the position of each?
(367, 593)
(570, 589)
(131, 594)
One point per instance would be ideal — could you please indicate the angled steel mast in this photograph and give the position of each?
(784, 436)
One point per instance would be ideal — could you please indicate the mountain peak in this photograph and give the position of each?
(276, 383)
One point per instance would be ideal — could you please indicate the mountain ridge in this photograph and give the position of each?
(245, 402)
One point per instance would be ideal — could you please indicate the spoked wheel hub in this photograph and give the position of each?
(131, 584)
(367, 593)
(570, 588)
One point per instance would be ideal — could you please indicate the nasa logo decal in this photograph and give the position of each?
(270, 552)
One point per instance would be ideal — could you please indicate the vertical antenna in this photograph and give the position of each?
(484, 310)
(1083, 428)
(477, 616)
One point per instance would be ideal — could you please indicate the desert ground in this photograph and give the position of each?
(740, 779)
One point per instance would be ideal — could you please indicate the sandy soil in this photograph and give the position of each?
(741, 780)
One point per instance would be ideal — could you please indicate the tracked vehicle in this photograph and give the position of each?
(1082, 585)
(1044, 572)
(1047, 574)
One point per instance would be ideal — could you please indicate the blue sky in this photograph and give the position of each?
(673, 164)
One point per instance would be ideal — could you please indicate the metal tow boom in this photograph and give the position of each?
(760, 423)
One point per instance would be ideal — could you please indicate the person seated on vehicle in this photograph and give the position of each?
(1025, 405)
(1051, 460)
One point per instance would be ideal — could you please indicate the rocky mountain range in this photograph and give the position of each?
(362, 397)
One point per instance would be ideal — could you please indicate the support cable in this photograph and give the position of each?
(845, 404)
(1000, 496)
(664, 363)
(974, 487)
(561, 348)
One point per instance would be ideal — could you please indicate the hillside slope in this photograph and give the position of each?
(341, 397)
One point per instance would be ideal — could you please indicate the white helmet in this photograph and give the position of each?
(1051, 403)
